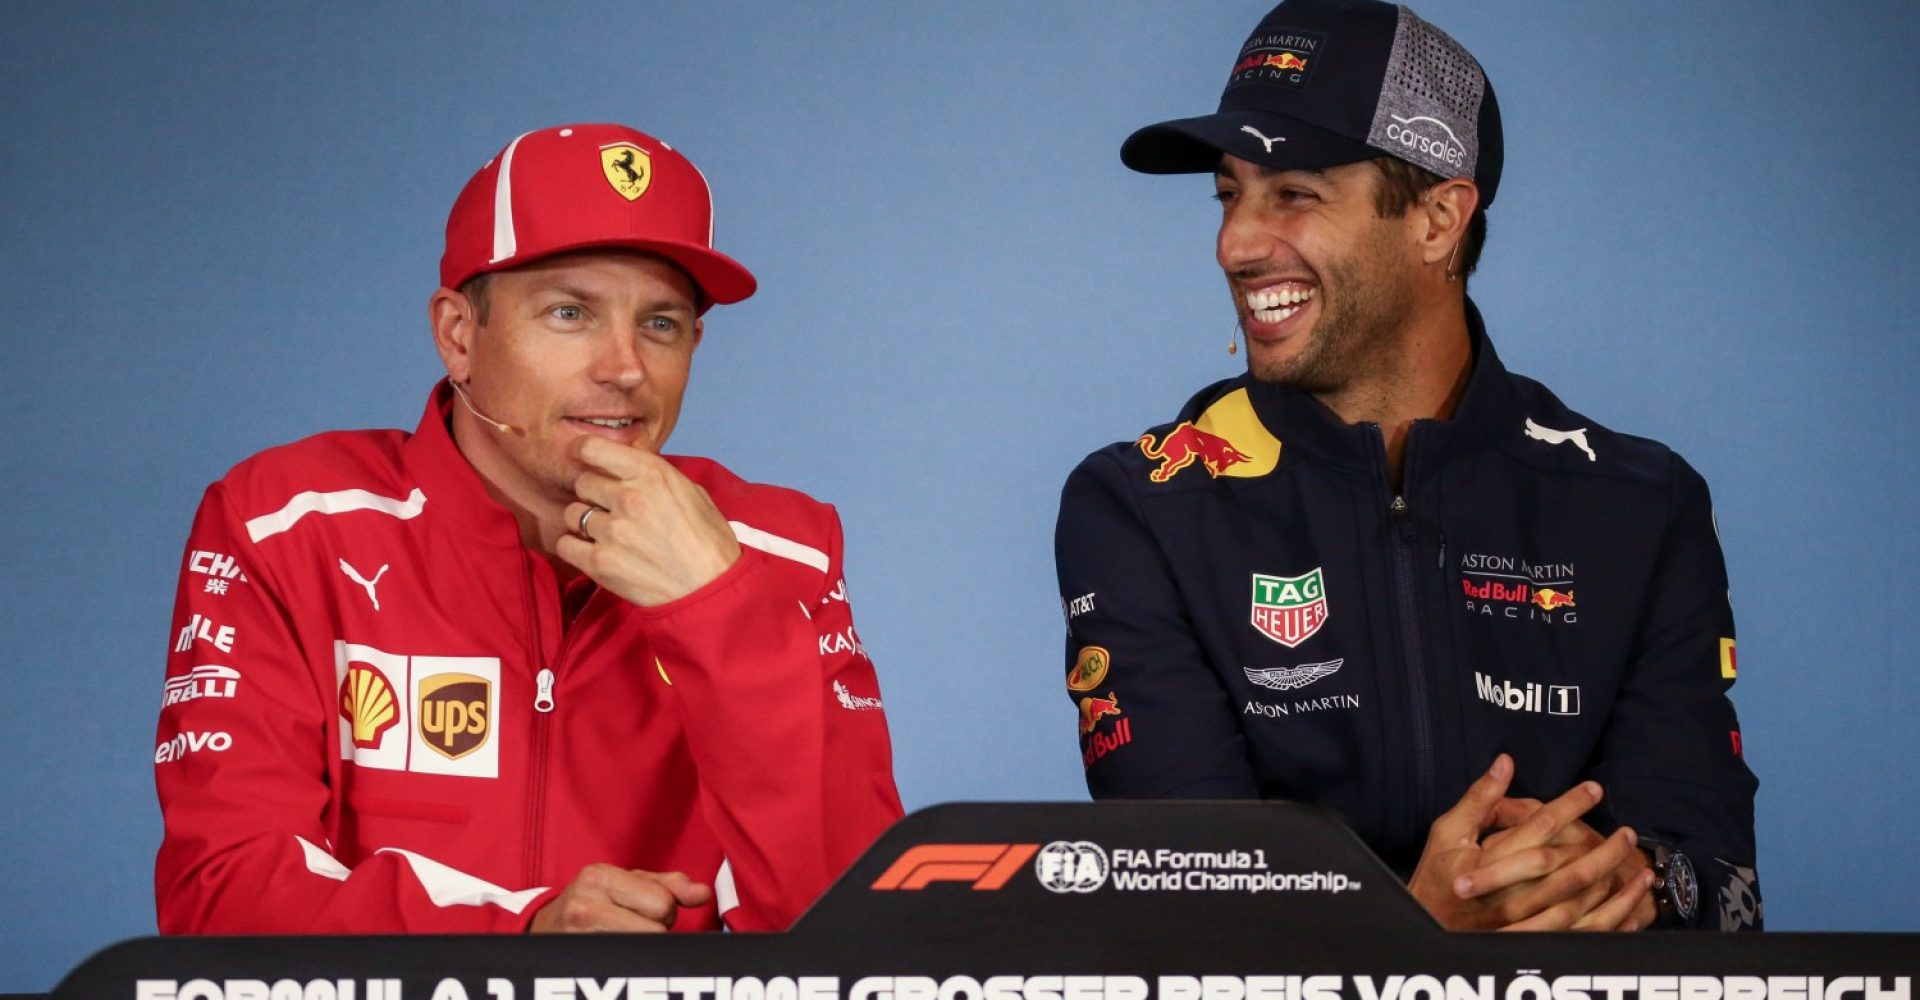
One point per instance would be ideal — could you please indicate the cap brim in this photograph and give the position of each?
(723, 279)
(1194, 145)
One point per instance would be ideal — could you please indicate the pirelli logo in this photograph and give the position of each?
(986, 866)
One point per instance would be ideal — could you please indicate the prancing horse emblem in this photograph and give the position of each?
(628, 168)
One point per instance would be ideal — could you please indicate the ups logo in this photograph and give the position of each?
(453, 713)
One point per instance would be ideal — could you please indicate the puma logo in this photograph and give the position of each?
(354, 575)
(1250, 130)
(1578, 436)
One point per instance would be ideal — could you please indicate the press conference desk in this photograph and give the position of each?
(1115, 901)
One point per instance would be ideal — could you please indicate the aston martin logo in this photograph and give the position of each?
(628, 168)
(1290, 678)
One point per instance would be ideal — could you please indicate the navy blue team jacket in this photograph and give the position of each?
(1253, 610)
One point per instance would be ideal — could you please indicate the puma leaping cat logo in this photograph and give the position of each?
(1578, 436)
(1250, 130)
(354, 575)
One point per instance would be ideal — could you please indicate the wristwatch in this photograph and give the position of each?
(1676, 889)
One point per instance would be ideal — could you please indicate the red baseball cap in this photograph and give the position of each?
(571, 187)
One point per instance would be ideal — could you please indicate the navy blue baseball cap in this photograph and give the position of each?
(1324, 82)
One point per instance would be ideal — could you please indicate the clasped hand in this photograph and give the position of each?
(1498, 863)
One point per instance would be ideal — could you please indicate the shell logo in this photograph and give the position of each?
(368, 704)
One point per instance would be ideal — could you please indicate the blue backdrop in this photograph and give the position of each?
(220, 224)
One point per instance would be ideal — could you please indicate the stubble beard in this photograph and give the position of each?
(1368, 302)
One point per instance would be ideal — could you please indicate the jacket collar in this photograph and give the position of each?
(1486, 409)
(456, 495)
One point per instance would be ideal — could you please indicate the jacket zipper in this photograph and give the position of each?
(543, 705)
(537, 781)
(1406, 547)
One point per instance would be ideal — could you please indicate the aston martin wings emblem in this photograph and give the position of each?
(1289, 678)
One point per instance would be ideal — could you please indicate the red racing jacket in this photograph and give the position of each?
(377, 719)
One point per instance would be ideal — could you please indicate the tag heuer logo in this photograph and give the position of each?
(1289, 609)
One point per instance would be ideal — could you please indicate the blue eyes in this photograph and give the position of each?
(660, 327)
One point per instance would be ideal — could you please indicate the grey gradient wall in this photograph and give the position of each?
(219, 225)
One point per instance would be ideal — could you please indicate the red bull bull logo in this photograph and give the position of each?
(1548, 598)
(1185, 444)
(1093, 708)
(1227, 439)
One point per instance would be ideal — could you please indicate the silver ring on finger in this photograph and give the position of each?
(582, 529)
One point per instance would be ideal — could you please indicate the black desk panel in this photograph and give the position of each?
(1044, 901)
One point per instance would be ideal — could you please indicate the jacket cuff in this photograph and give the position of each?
(714, 594)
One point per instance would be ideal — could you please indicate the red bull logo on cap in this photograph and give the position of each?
(1276, 57)
(1269, 60)
(1227, 440)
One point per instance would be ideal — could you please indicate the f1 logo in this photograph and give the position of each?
(987, 866)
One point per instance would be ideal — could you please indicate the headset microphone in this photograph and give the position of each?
(483, 418)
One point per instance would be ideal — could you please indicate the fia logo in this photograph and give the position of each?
(1071, 866)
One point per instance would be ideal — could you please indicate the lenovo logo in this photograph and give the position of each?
(987, 866)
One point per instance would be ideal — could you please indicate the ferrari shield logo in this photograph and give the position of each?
(628, 168)
(1289, 609)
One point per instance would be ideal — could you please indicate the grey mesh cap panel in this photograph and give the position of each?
(1430, 101)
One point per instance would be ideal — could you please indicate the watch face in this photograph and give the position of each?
(1683, 889)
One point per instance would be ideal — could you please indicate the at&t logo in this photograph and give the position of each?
(1071, 866)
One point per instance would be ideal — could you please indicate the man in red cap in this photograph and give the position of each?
(518, 670)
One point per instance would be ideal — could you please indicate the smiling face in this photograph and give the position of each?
(593, 343)
(1323, 285)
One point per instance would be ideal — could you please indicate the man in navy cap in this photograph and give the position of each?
(1380, 572)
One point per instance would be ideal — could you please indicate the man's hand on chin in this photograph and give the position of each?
(605, 898)
(642, 529)
(1541, 868)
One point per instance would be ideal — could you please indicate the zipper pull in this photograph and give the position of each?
(543, 701)
(1398, 508)
(1442, 564)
